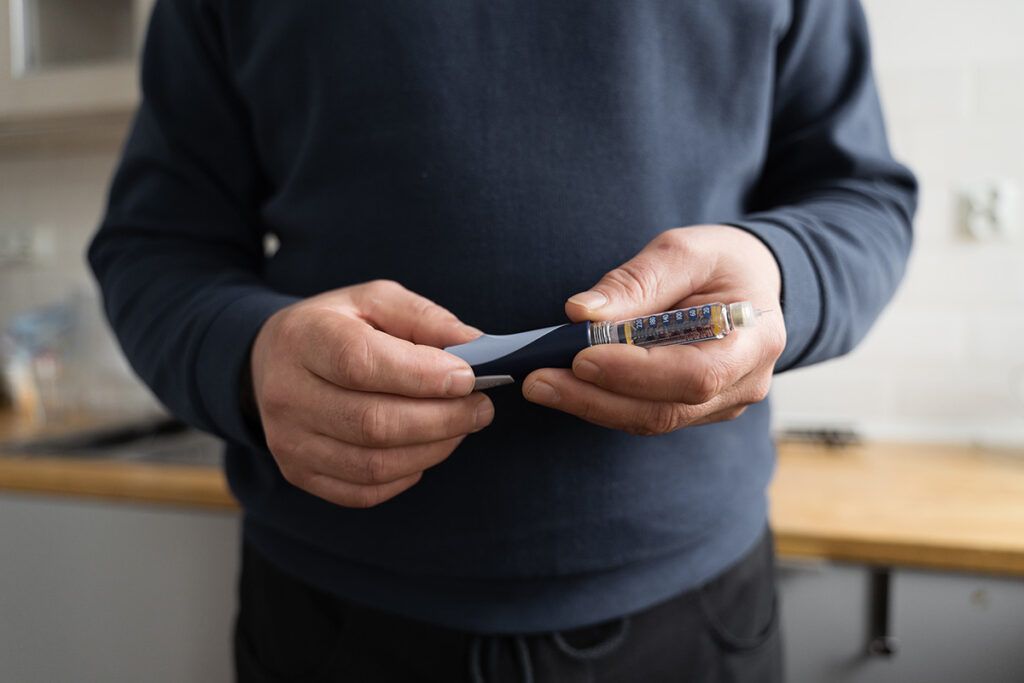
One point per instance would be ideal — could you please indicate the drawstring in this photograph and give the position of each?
(476, 668)
(595, 651)
(524, 659)
(493, 642)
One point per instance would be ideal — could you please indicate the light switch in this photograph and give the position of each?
(24, 245)
(989, 210)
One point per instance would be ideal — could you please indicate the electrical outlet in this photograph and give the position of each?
(20, 246)
(989, 210)
(15, 245)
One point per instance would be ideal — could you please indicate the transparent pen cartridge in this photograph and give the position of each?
(502, 359)
(681, 326)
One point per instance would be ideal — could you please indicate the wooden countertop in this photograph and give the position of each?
(917, 505)
(920, 505)
(192, 486)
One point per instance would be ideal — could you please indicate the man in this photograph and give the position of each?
(432, 169)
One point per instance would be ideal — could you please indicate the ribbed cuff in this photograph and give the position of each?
(224, 358)
(802, 298)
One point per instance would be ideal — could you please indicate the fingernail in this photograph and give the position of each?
(586, 370)
(460, 382)
(589, 300)
(542, 392)
(484, 414)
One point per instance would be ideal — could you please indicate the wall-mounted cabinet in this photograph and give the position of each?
(65, 58)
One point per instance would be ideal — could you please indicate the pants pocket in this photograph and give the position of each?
(740, 607)
(285, 631)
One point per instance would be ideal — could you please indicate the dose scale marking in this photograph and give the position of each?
(684, 326)
(503, 359)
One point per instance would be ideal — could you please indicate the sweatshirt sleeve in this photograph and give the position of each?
(831, 204)
(179, 253)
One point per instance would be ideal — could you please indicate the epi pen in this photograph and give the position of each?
(504, 359)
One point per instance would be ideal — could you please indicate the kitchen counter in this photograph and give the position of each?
(908, 505)
(913, 505)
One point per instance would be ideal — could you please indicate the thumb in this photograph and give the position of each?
(655, 280)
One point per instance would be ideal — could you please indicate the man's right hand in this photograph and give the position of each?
(355, 396)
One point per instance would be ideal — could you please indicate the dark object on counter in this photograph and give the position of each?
(108, 436)
(163, 441)
(6, 395)
(831, 437)
(7, 401)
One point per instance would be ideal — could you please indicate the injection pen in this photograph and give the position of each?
(504, 359)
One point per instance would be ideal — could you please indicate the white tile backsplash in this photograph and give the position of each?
(945, 361)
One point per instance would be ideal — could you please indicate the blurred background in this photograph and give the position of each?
(108, 568)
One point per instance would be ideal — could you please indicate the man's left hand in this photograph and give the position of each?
(661, 389)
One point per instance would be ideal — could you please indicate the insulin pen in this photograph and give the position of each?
(504, 359)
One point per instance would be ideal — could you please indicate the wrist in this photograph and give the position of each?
(754, 255)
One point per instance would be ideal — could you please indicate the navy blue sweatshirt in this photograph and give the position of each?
(496, 157)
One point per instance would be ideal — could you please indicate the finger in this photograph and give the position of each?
(351, 354)
(355, 495)
(665, 272)
(392, 308)
(384, 420)
(561, 390)
(691, 374)
(362, 465)
(724, 415)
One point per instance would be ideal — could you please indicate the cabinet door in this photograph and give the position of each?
(61, 58)
(947, 627)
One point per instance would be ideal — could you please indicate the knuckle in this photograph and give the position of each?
(669, 242)
(761, 389)
(424, 307)
(279, 444)
(273, 399)
(376, 467)
(776, 345)
(724, 415)
(384, 286)
(706, 386)
(461, 418)
(368, 497)
(429, 316)
(635, 279)
(289, 325)
(353, 361)
(293, 476)
(735, 412)
(290, 454)
(424, 382)
(659, 418)
(374, 425)
(587, 411)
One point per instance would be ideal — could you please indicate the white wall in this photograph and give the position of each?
(946, 359)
